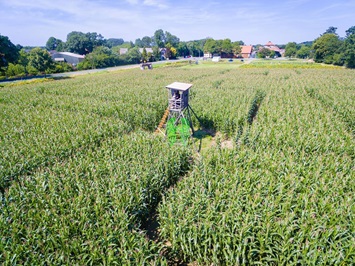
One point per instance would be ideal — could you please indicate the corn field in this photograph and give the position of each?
(81, 170)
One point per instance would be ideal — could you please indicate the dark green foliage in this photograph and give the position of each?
(304, 52)
(264, 53)
(291, 49)
(331, 30)
(9, 53)
(350, 31)
(144, 55)
(133, 56)
(40, 60)
(101, 57)
(227, 46)
(83, 43)
(325, 47)
(210, 46)
(53, 43)
(160, 38)
(62, 67)
(147, 41)
(349, 51)
(15, 70)
(114, 42)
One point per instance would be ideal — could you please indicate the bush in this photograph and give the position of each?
(338, 59)
(15, 70)
(62, 67)
(32, 71)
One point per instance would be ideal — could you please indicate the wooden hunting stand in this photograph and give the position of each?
(177, 117)
(179, 109)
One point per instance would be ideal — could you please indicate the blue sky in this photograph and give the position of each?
(32, 22)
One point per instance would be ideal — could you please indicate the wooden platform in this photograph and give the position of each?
(148, 65)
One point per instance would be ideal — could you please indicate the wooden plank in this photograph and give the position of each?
(179, 86)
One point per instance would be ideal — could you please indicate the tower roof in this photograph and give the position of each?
(179, 86)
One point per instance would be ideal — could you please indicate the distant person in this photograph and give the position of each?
(177, 95)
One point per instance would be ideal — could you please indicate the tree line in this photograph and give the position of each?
(16, 61)
(328, 48)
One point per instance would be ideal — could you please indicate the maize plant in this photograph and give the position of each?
(81, 172)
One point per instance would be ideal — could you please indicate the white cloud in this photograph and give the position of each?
(132, 2)
(156, 3)
(33, 22)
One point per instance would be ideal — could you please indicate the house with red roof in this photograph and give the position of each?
(269, 45)
(246, 51)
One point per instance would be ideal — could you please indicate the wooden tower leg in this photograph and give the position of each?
(193, 112)
(190, 120)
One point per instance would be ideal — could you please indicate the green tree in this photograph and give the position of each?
(40, 60)
(264, 53)
(350, 31)
(9, 53)
(325, 47)
(156, 53)
(159, 38)
(52, 43)
(138, 43)
(349, 51)
(192, 49)
(83, 43)
(182, 49)
(304, 52)
(240, 42)
(78, 42)
(173, 52)
(150, 57)
(61, 46)
(210, 46)
(291, 49)
(331, 30)
(23, 58)
(144, 55)
(62, 67)
(219, 46)
(95, 39)
(147, 41)
(133, 56)
(236, 47)
(114, 42)
(100, 57)
(172, 39)
(227, 46)
(15, 70)
(168, 53)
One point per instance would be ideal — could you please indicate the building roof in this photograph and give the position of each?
(274, 48)
(71, 54)
(269, 43)
(148, 50)
(179, 86)
(246, 49)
